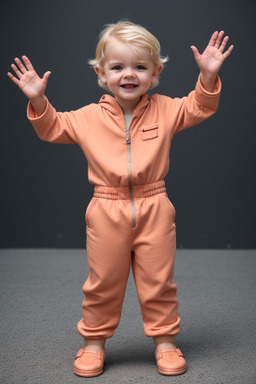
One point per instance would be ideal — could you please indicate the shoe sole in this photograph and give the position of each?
(172, 372)
(93, 373)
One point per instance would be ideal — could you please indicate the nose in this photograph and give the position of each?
(129, 74)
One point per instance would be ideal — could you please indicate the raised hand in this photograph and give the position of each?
(213, 56)
(27, 79)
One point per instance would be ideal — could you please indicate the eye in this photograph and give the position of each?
(117, 68)
(140, 67)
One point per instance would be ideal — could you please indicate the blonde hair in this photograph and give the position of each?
(134, 35)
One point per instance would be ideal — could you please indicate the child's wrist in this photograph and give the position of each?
(38, 104)
(208, 80)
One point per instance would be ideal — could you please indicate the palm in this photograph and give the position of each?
(31, 84)
(211, 60)
(27, 79)
(213, 56)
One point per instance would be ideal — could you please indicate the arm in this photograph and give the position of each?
(60, 127)
(190, 110)
(212, 59)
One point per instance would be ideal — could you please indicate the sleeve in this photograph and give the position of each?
(198, 106)
(60, 127)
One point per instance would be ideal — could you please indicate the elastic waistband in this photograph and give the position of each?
(123, 193)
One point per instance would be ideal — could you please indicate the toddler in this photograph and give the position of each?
(126, 139)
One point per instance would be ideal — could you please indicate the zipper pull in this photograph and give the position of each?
(128, 140)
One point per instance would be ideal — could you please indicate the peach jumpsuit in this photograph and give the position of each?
(130, 220)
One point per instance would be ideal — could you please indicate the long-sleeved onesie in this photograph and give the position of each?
(130, 219)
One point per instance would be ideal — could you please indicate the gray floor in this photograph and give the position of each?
(41, 303)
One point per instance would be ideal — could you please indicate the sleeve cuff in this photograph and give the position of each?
(216, 89)
(31, 114)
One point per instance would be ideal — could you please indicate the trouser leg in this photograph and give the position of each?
(153, 266)
(108, 253)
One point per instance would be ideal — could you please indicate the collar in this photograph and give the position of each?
(109, 103)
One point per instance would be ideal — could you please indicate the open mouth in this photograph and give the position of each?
(129, 86)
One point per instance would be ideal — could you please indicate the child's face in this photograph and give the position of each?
(127, 74)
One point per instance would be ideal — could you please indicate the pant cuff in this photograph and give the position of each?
(168, 330)
(93, 333)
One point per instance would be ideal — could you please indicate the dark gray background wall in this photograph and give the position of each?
(44, 187)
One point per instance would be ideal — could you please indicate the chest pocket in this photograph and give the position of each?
(149, 132)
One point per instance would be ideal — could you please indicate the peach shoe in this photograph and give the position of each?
(170, 362)
(89, 364)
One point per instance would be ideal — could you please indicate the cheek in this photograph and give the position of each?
(146, 79)
(111, 79)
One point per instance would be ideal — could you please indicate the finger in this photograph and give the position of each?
(227, 53)
(219, 38)
(46, 76)
(13, 78)
(195, 52)
(16, 70)
(20, 65)
(27, 63)
(224, 43)
(213, 38)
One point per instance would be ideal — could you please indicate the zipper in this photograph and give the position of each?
(128, 143)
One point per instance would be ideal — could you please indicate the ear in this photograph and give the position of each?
(156, 73)
(100, 72)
